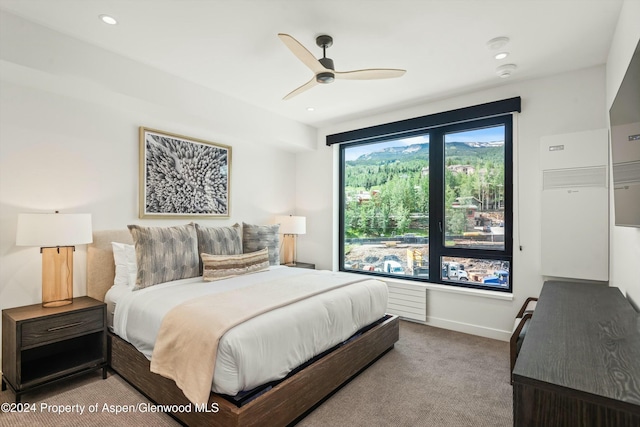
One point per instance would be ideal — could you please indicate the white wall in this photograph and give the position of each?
(69, 118)
(625, 241)
(564, 103)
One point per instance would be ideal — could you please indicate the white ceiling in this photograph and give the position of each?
(232, 46)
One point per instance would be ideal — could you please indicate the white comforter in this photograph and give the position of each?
(290, 335)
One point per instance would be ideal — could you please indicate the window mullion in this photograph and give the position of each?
(436, 201)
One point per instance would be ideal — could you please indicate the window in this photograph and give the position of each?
(430, 202)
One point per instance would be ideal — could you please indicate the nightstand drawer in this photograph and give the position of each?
(53, 328)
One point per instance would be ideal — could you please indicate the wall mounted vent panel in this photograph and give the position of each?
(575, 205)
(580, 177)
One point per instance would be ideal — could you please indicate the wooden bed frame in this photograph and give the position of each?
(283, 404)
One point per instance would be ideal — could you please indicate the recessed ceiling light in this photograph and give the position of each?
(505, 70)
(501, 55)
(497, 43)
(311, 109)
(108, 19)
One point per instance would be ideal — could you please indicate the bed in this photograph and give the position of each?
(280, 402)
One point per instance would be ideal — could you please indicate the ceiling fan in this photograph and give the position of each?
(323, 69)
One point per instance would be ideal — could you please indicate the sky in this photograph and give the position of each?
(495, 133)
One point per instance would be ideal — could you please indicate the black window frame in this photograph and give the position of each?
(437, 126)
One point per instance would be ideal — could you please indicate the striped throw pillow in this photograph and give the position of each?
(218, 267)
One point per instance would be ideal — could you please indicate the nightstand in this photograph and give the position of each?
(41, 345)
(302, 265)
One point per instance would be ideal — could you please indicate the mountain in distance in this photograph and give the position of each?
(391, 154)
(421, 151)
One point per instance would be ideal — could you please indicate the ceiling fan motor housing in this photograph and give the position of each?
(326, 77)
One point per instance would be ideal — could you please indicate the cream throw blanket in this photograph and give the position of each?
(187, 343)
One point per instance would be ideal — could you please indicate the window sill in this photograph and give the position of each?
(482, 293)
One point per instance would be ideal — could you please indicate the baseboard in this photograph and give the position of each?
(467, 328)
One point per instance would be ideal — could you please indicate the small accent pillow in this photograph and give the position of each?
(120, 261)
(218, 267)
(164, 254)
(124, 256)
(219, 240)
(256, 237)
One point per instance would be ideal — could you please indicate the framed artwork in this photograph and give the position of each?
(182, 177)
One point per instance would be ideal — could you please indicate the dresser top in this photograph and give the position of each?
(585, 337)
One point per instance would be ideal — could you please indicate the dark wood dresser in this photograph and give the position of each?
(580, 362)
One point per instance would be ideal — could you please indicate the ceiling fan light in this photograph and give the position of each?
(501, 55)
(326, 77)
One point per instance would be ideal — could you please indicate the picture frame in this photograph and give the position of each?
(183, 177)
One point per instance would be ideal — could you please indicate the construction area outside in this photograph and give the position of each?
(408, 255)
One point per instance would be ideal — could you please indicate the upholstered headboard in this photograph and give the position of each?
(101, 268)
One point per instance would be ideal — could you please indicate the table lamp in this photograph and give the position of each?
(290, 227)
(56, 234)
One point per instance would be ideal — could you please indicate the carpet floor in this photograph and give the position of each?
(433, 377)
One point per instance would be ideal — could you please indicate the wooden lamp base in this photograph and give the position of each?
(289, 252)
(57, 276)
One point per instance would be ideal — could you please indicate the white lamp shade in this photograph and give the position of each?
(49, 230)
(292, 224)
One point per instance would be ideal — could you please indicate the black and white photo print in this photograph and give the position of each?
(183, 177)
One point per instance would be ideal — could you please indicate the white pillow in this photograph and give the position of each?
(124, 257)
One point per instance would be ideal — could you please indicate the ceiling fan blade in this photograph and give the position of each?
(302, 53)
(308, 85)
(370, 74)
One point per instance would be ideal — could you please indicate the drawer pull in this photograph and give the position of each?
(70, 325)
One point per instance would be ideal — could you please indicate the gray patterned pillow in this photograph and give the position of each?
(256, 237)
(219, 240)
(164, 254)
